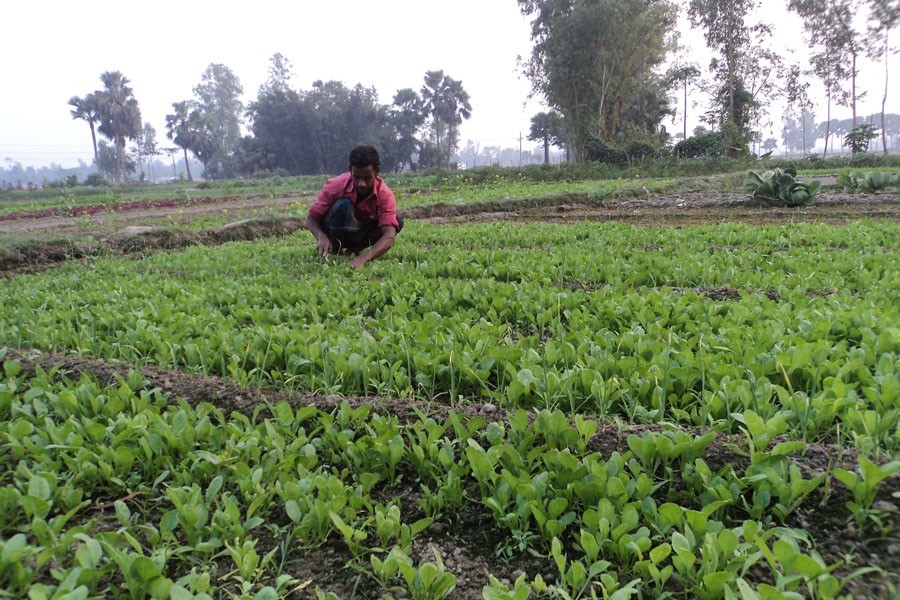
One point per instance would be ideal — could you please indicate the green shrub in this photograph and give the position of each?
(597, 150)
(710, 144)
(96, 180)
(639, 150)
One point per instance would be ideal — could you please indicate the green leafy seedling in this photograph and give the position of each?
(864, 485)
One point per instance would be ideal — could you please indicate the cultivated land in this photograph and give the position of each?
(547, 390)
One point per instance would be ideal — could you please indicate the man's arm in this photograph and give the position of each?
(384, 243)
(315, 227)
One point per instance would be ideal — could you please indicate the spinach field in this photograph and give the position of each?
(498, 409)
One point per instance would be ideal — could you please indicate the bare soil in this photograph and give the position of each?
(461, 538)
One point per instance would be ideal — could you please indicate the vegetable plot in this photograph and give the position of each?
(657, 395)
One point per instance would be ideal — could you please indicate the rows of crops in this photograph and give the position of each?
(751, 343)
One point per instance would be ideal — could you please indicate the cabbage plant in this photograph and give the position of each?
(781, 185)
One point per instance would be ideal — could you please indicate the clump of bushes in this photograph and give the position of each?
(703, 145)
(96, 180)
(597, 150)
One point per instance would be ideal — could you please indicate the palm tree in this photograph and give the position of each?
(180, 129)
(648, 110)
(447, 103)
(547, 128)
(86, 109)
(120, 117)
(431, 98)
(458, 109)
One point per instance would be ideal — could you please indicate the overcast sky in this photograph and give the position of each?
(54, 50)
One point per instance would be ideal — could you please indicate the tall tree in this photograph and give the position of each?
(459, 109)
(182, 128)
(311, 131)
(430, 152)
(799, 132)
(883, 18)
(340, 118)
(592, 58)
(120, 116)
(86, 109)
(726, 32)
(220, 110)
(447, 103)
(137, 150)
(547, 128)
(280, 73)
(108, 160)
(829, 24)
(683, 75)
(407, 116)
(764, 75)
(798, 98)
(829, 68)
(149, 146)
(277, 122)
(281, 130)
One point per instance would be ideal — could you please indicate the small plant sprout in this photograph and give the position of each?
(864, 486)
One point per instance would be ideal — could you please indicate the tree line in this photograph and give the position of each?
(291, 131)
(599, 66)
(801, 132)
(610, 72)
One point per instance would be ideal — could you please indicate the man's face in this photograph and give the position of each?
(363, 180)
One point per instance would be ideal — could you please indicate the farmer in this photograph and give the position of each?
(356, 212)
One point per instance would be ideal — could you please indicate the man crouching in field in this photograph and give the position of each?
(356, 211)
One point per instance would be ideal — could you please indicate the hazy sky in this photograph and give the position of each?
(54, 50)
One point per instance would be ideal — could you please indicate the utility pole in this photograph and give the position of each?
(172, 156)
(520, 149)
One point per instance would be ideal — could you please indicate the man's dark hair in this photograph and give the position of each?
(365, 156)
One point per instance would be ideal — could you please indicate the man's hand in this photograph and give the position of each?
(384, 243)
(358, 262)
(324, 245)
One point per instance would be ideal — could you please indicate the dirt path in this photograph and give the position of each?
(86, 225)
